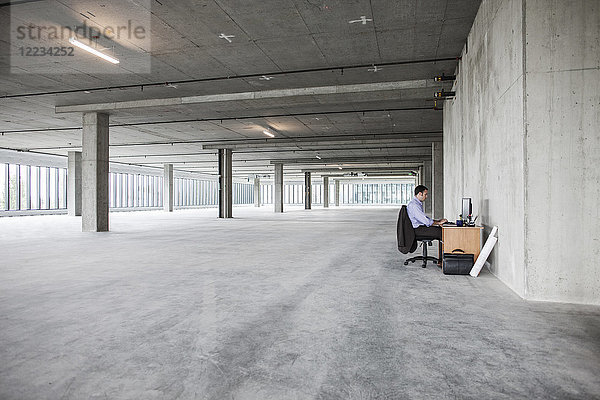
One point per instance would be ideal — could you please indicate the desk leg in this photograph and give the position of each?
(439, 253)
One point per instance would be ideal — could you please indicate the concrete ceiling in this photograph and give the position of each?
(277, 45)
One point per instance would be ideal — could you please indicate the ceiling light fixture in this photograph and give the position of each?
(318, 156)
(95, 52)
(269, 134)
(339, 167)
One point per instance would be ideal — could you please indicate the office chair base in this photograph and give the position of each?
(424, 259)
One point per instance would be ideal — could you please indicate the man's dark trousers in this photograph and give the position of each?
(433, 232)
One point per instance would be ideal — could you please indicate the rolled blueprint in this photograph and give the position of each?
(484, 254)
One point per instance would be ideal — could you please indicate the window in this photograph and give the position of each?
(24, 187)
(62, 188)
(35, 188)
(13, 187)
(3, 186)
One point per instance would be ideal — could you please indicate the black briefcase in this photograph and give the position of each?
(457, 264)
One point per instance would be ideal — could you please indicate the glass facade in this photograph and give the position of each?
(377, 193)
(134, 190)
(243, 193)
(189, 192)
(27, 187)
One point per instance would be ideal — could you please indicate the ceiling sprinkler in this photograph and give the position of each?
(226, 37)
(363, 20)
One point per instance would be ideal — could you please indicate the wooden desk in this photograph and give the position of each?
(466, 238)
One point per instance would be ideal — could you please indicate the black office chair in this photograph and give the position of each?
(425, 241)
(407, 239)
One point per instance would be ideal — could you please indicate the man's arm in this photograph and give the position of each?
(439, 222)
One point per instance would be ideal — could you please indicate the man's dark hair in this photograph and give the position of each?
(420, 188)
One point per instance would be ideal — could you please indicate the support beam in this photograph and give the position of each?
(257, 95)
(168, 188)
(426, 179)
(325, 192)
(225, 184)
(356, 160)
(74, 183)
(278, 188)
(256, 192)
(410, 139)
(307, 191)
(438, 179)
(337, 192)
(94, 172)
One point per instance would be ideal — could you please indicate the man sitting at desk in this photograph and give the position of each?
(424, 226)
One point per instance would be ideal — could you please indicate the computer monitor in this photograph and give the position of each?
(467, 209)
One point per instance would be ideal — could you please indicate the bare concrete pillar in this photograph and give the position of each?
(437, 153)
(256, 192)
(94, 173)
(426, 179)
(326, 192)
(74, 183)
(307, 191)
(337, 192)
(225, 184)
(168, 188)
(278, 188)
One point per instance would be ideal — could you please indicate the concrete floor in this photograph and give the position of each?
(302, 305)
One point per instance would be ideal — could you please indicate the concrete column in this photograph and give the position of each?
(225, 184)
(94, 173)
(437, 189)
(337, 192)
(426, 178)
(307, 191)
(278, 188)
(326, 192)
(74, 183)
(168, 188)
(256, 192)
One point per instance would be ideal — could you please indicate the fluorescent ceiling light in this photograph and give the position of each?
(269, 134)
(95, 52)
(318, 156)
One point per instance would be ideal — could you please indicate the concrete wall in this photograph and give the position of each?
(483, 135)
(526, 114)
(563, 149)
